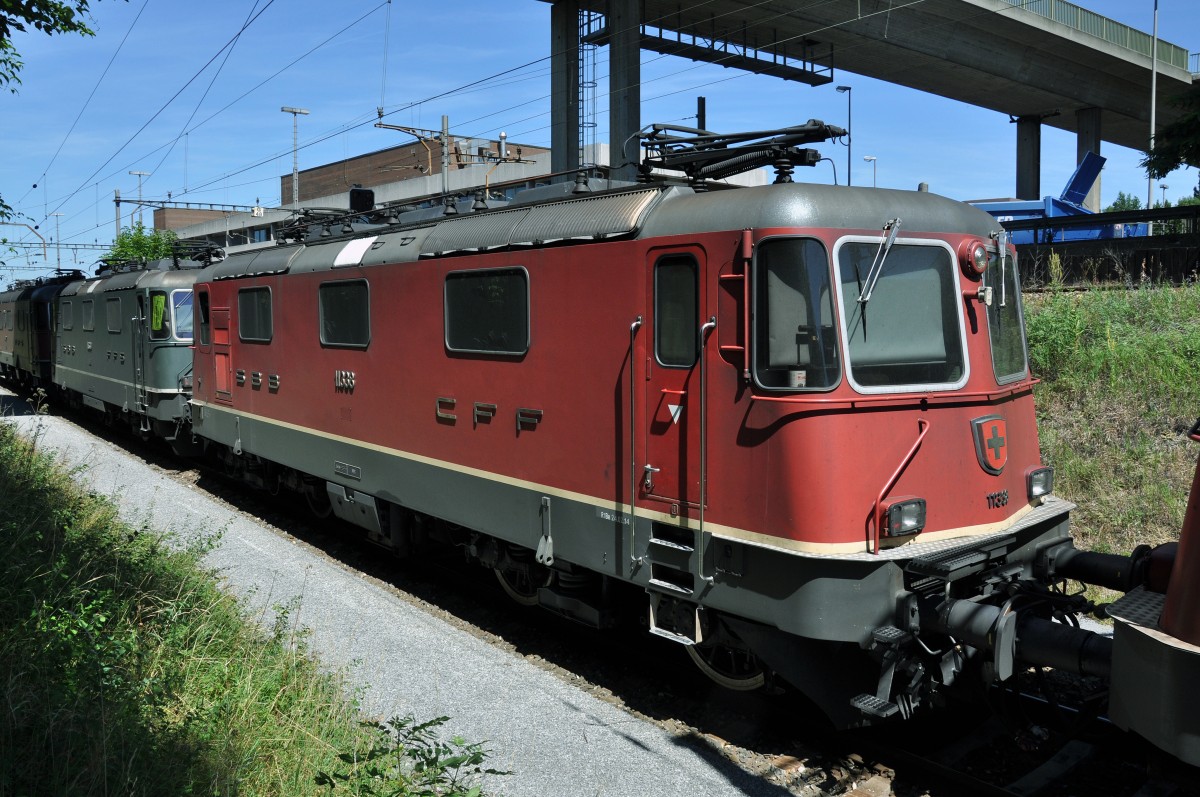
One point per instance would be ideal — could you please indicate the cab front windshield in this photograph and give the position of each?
(908, 335)
(170, 315)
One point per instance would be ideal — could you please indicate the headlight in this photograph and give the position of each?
(974, 256)
(1039, 482)
(904, 516)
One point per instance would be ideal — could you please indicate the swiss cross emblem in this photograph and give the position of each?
(991, 442)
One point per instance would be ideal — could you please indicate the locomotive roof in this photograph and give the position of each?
(147, 278)
(642, 211)
(815, 206)
(39, 289)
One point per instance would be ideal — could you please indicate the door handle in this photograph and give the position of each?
(648, 478)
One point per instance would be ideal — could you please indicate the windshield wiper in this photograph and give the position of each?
(1002, 244)
(892, 228)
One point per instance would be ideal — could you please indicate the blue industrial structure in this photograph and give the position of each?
(1069, 203)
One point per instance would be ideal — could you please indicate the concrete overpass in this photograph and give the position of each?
(1038, 61)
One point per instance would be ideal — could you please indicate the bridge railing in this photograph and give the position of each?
(1109, 30)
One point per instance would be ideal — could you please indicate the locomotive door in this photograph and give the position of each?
(213, 327)
(671, 471)
(140, 358)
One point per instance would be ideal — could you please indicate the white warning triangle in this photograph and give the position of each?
(676, 411)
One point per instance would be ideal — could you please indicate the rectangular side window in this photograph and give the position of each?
(796, 344)
(66, 315)
(89, 315)
(112, 313)
(345, 309)
(1006, 324)
(205, 321)
(676, 311)
(254, 314)
(487, 312)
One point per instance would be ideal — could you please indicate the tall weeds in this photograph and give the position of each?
(1119, 392)
(124, 670)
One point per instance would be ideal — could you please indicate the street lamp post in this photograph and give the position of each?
(871, 160)
(140, 175)
(849, 130)
(1164, 188)
(295, 112)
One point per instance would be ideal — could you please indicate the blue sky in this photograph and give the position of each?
(90, 110)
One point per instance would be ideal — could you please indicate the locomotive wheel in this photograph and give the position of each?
(520, 576)
(730, 667)
(318, 502)
(522, 583)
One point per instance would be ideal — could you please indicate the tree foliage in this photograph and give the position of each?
(48, 16)
(1124, 201)
(1177, 144)
(136, 243)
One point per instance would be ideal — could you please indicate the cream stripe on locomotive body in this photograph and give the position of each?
(530, 372)
(931, 542)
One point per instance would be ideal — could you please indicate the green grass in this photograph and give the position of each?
(125, 670)
(1120, 390)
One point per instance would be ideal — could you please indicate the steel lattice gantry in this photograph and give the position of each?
(1048, 62)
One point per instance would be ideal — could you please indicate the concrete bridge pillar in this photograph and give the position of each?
(564, 86)
(624, 87)
(1087, 123)
(1029, 157)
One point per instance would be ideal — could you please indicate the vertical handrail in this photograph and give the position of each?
(705, 330)
(877, 510)
(633, 558)
(747, 255)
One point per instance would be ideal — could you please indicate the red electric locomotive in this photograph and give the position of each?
(798, 416)
(797, 419)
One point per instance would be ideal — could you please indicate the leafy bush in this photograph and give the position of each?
(405, 757)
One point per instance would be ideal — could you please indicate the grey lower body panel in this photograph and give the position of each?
(829, 598)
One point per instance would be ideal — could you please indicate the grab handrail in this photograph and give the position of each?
(877, 510)
(634, 561)
(705, 332)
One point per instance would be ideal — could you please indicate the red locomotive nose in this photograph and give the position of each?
(1181, 613)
